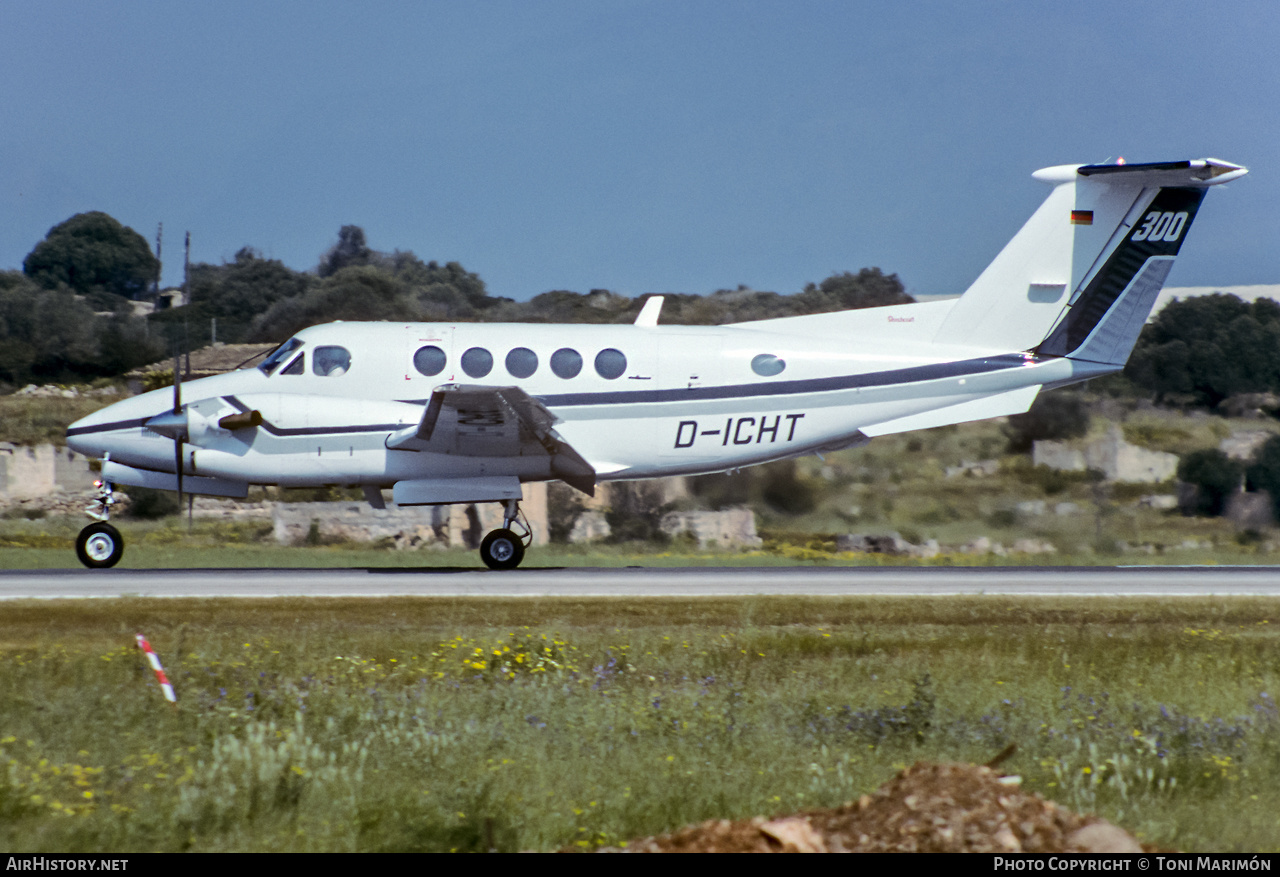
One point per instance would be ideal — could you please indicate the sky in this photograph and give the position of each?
(641, 146)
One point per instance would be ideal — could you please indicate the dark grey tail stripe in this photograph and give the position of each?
(1118, 272)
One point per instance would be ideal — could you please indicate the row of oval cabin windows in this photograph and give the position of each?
(477, 362)
(566, 363)
(521, 362)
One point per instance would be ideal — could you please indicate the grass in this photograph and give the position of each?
(35, 420)
(439, 724)
(47, 543)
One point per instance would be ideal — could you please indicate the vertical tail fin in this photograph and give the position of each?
(1080, 278)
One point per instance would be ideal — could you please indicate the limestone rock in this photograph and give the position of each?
(1101, 837)
(1115, 458)
(727, 528)
(1243, 445)
(590, 526)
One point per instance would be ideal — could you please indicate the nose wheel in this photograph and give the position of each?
(99, 546)
(504, 548)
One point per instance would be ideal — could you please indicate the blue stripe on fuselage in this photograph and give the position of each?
(910, 375)
(914, 374)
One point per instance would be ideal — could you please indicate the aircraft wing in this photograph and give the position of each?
(471, 420)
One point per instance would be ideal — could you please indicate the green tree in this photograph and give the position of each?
(363, 292)
(18, 297)
(1264, 472)
(869, 288)
(446, 291)
(1053, 416)
(126, 342)
(350, 250)
(1215, 477)
(92, 252)
(51, 335)
(1209, 348)
(238, 292)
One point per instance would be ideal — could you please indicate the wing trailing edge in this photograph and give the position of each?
(472, 420)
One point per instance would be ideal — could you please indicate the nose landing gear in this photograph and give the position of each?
(100, 545)
(504, 548)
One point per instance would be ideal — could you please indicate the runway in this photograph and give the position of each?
(1131, 581)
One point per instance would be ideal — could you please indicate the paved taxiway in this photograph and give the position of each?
(1151, 581)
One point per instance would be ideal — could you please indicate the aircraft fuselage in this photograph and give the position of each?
(634, 401)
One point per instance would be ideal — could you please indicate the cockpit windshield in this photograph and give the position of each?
(279, 355)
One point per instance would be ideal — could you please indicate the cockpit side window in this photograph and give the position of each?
(330, 361)
(281, 353)
(297, 367)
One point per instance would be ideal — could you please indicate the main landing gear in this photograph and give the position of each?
(100, 545)
(504, 548)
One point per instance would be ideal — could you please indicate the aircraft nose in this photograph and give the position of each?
(85, 435)
(91, 435)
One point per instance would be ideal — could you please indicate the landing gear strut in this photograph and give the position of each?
(100, 545)
(504, 548)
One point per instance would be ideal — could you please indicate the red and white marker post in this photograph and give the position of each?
(155, 665)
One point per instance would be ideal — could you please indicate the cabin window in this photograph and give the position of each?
(522, 362)
(610, 363)
(477, 362)
(566, 363)
(296, 367)
(281, 353)
(767, 365)
(429, 360)
(330, 361)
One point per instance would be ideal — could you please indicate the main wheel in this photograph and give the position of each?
(99, 546)
(502, 549)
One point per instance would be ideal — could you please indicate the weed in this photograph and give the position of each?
(465, 724)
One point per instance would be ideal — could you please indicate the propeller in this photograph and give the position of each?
(177, 412)
(174, 424)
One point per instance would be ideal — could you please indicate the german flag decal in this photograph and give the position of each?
(1082, 217)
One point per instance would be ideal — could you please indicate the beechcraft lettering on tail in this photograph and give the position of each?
(464, 413)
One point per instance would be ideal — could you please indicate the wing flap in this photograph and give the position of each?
(470, 420)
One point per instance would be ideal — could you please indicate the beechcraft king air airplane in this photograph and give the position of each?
(461, 413)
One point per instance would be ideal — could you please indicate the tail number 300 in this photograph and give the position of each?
(1157, 226)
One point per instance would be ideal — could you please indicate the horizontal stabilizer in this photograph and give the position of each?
(1001, 405)
(1199, 172)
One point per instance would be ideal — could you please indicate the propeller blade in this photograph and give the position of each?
(177, 462)
(179, 430)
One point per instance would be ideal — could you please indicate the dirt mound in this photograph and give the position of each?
(926, 808)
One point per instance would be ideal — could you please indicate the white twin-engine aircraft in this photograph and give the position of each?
(462, 413)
